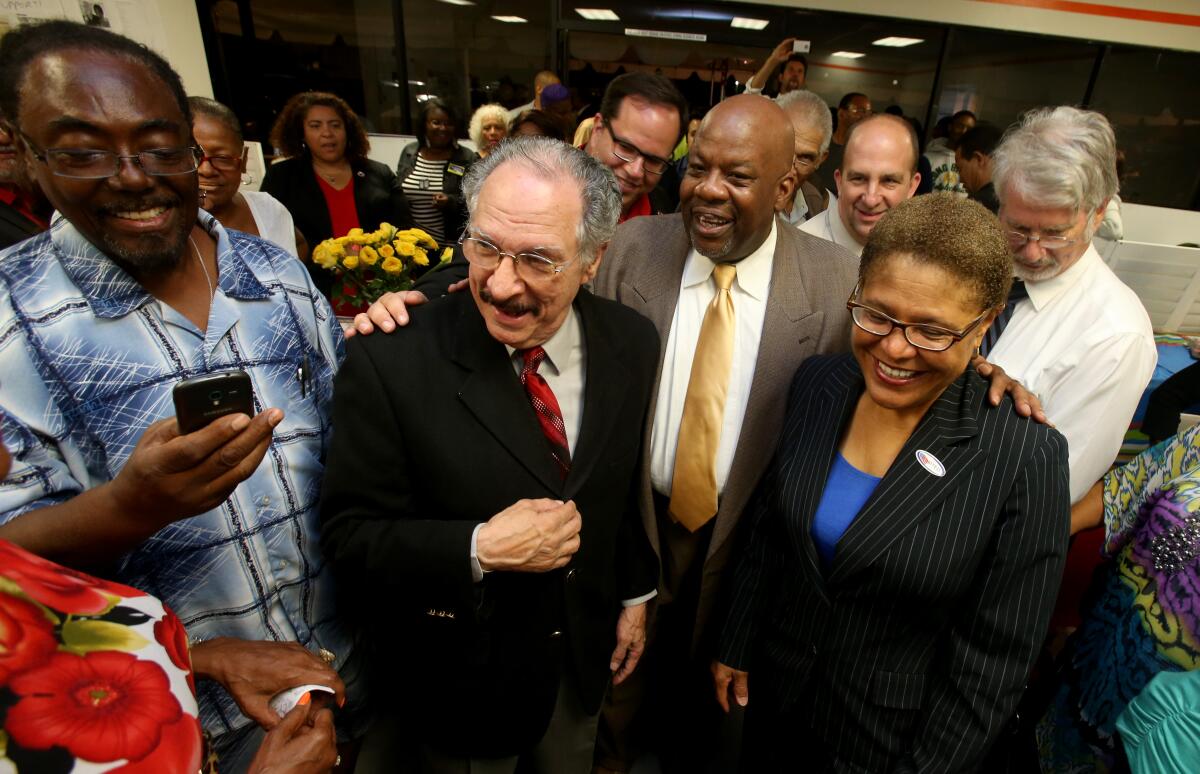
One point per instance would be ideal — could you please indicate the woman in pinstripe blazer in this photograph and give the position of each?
(904, 549)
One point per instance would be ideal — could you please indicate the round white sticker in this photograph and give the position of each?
(930, 463)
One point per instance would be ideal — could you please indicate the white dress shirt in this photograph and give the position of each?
(799, 211)
(697, 288)
(1082, 342)
(828, 225)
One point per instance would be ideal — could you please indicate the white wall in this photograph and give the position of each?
(1123, 24)
(181, 43)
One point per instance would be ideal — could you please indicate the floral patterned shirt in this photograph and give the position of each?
(92, 675)
(87, 361)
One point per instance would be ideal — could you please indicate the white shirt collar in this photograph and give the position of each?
(841, 235)
(753, 271)
(1044, 291)
(559, 346)
(799, 212)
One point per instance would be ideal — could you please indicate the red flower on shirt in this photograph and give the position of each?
(104, 706)
(26, 636)
(173, 637)
(180, 749)
(59, 588)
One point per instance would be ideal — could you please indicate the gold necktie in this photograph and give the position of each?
(694, 481)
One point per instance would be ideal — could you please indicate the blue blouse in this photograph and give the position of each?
(846, 491)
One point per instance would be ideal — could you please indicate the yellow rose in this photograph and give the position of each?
(354, 232)
(404, 248)
(447, 254)
(391, 265)
(368, 256)
(420, 257)
(386, 251)
(323, 256)
(417, 235)
(350, 262)
(342, 241)
(385, 226)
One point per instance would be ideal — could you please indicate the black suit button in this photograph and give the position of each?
(554, 635)
(570, 575)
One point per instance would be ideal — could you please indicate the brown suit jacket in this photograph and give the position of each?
(806, 314)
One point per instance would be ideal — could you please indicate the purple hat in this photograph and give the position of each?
(555, 92)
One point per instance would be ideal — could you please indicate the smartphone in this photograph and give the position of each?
(201, 399)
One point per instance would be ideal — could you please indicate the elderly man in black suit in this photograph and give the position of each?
(488, 508)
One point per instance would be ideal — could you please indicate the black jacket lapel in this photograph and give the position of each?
(909, 491)
(607, 379)
(492, 392)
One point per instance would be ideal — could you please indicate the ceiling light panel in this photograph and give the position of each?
(598, 14)
(848, 54)
(895, 42)
(743, 23)
(510, 19)
(458, 2)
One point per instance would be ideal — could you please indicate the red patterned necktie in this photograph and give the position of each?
(545, 406)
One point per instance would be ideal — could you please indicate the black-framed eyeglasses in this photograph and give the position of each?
(933, 338)
(1018, 239)
(90, 164)
(628, 152)
(220, 163)
(530, 267)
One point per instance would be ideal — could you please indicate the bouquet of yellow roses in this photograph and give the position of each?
(378, 262)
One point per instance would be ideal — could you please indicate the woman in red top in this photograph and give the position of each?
(327, 182)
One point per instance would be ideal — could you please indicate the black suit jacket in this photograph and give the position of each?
(377, 197)
(911, 653)
(434, 435)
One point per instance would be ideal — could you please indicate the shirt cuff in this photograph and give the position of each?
(639, 600)
(754, 89)
(476, 570)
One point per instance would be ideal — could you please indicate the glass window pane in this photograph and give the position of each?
(1153, 99)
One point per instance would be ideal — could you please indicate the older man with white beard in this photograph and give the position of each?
(1072, 332)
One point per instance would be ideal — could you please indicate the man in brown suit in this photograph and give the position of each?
(789, 301)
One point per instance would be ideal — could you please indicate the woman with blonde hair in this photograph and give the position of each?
(489, 127)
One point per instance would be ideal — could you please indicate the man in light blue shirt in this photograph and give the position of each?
(133, 289)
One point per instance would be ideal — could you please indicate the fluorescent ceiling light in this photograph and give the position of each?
(742, 23)
(848, 54)
(510, 19)
(425, 97)
(458, 2)
(415, 83)
(597, 14)
(898, 42)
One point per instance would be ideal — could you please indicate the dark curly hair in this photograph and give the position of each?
(287, 135)
(957, 235)
(546, 125)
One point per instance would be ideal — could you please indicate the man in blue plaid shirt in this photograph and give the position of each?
(133, 289)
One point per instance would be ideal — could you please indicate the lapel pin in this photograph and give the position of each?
(930, 463)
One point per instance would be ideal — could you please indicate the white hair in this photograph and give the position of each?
(490, 110)
(1058, 157)
(553, 160)
(811, 110)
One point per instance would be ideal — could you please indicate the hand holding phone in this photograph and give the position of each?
(201, 399)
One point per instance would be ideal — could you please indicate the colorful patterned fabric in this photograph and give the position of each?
(92, 674)
(1142, 613)
(88, 360)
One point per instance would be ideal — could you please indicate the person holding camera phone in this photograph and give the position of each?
(789, 60)
(132, 290)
